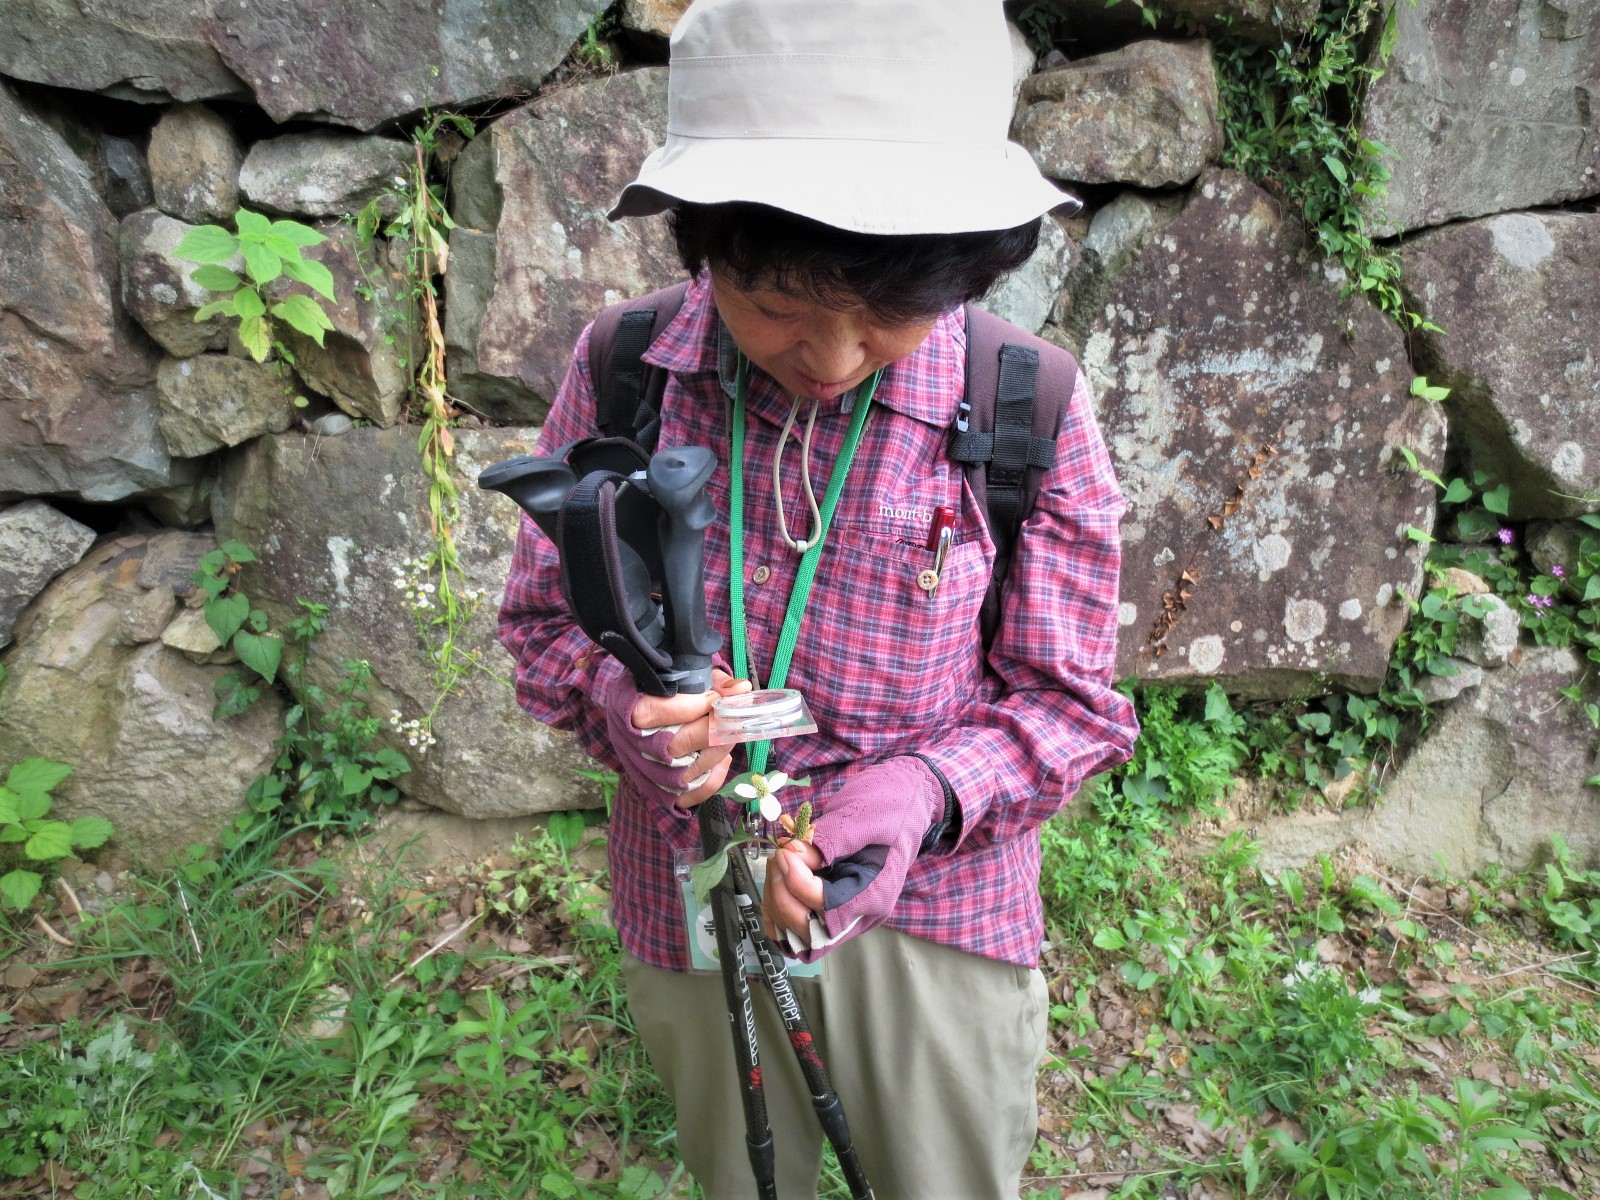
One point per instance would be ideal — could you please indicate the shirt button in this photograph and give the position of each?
(762, 574)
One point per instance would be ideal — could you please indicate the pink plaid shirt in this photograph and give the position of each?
(887, 668)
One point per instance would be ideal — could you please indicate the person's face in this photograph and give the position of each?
(811, 350)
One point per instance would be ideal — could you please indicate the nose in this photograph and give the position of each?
(834, 349)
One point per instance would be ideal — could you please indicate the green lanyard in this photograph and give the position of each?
(801, 591)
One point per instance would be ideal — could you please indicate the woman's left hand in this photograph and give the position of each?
(793, 892)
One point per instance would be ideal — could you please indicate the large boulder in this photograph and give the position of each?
(1488, 106)
(1096, 23)
(37, 543)
(1253, 412)
(334, 521)
(1027, 296)
(1145, 114)
(89, 683)
(1517, 296)
(157, 288)
(652, 18)
(1500, 772)
(361, 364)
(533, 258)
(216, 400)
(77, 378)
(323, 173)
(194, 165)
(356, 64)
(153, 51)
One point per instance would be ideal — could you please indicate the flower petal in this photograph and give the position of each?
(771, 810)
(745, 790)
(776, 780)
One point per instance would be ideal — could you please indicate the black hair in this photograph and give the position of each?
(895, 277)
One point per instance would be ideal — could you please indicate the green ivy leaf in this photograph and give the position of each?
(207, 244)
(216, 279)
(256, 335)
(20, 887)
(50, 840)
(305, 314)
(260, 652)
(294, 231)
(264, 266)
(37, 775)
(226, 615)
(311, 273)
(89, 832)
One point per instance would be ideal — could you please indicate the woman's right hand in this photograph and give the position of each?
(663, 741)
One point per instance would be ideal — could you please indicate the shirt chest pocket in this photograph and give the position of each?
(884, 647)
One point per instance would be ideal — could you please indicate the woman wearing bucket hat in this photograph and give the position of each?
(840, 183)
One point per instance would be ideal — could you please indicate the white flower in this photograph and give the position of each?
(1369, 996)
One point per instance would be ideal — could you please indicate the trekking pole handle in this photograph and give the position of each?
(677, 481)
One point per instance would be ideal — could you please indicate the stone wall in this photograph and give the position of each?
(1255, 407)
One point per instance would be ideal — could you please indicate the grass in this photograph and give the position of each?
(299, 1018)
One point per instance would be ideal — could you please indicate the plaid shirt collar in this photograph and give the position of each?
(918, 386)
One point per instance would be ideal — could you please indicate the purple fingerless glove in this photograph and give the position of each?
(869, 833)
(643, 752)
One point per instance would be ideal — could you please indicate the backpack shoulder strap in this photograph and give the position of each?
(628, 390)
(1018, 388)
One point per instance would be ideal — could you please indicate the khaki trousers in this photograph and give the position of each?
(933, 1051)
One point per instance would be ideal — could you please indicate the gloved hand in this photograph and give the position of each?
(661, 740)
(848, 879)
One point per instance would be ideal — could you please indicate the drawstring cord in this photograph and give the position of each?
(812, 538)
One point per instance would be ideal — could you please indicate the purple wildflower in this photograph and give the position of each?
(1541, 601)
(1557, 570)
(1507, 537)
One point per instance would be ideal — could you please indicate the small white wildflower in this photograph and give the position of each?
(1369, 996)
(412, 740)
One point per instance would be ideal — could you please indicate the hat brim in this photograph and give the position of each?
(867, 187)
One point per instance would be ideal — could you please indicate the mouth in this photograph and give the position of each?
(826, 389)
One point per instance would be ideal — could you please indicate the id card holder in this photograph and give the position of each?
(702, 933)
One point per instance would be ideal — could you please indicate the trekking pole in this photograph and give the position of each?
(829, 1108)
(715, 829)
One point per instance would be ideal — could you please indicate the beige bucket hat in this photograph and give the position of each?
(879, 116)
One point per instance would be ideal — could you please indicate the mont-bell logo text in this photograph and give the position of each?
(893, 513)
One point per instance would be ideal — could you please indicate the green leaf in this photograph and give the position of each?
(1336, 168)
(237, 551)
(32, 805)
(9, 810)
(311, 273)
(89, 832)
(252, 225)
(264, 266)
(216, 279)
(1498, 501)
(206, 311)
(1110, 939)
(1421, 387)
(248, 303)
(20, 887)
(704, 876)
(305, 314)
(283, 248)
(1418, 535)
(12, 833)
(300, 235)
(1458, 492)
(354, 780)
(51, 840)
(226, 615)
(261, 652)
(207, 244)
(256, 335)
(566, 829)
(367, 222)
(37, 775)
